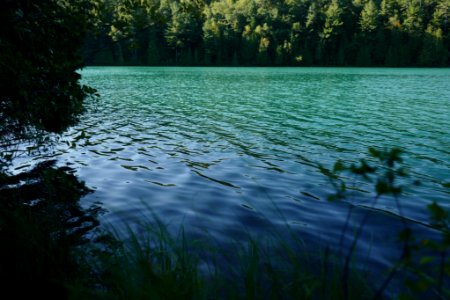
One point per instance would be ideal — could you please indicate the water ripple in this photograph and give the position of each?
(231, 149)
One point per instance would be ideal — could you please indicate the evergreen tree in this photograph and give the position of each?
(369, 18)
(267, 32)
(433, 52)
(183, 30)
(331, 33)
(369, 25)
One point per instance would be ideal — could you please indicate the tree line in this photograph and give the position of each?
(393, 33)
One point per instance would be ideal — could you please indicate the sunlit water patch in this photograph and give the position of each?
(234, 150)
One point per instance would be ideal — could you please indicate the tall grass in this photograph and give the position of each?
(38, 251)
(158, 266)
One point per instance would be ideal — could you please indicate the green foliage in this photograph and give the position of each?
(433, 51)
(182, 32)
(439, 216)
(39, 57)
(289, 32)
(40, 219)
(425, 274)
(369, 17)
(155, 264)
(333, 20)
(158, 265)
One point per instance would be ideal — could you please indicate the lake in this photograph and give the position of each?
(231, 151)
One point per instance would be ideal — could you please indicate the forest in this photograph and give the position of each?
(391, 33)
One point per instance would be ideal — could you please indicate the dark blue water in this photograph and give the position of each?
(234, 150)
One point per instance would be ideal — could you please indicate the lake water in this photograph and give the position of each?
(234, 150)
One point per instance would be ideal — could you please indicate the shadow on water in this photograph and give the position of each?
(216, 160)
(41, 225)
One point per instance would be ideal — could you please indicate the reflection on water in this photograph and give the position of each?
(230, 150)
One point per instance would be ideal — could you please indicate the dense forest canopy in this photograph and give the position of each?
(270, 32)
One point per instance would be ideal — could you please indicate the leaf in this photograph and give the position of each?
(339, 166)
(438, 213)
(327, 172)
(426, 260)
(363, 169)
(396, 190)
(332, 198)
(382, 188)
(395, 154)
(374, 152)
(343, 187)
(335, 197)
(406, 297)
(447, 269)
(401, 172)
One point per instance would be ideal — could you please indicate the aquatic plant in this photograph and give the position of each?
(152, 263)
(384, 173)
(157, 265)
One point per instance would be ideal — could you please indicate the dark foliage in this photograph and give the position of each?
(40, 218)
(426, 274)
(39, 56)
(392, 33)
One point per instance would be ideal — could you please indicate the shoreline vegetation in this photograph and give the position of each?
(51, 247)
(386, 33)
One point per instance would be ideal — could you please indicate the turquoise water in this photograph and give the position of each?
(235, 150)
